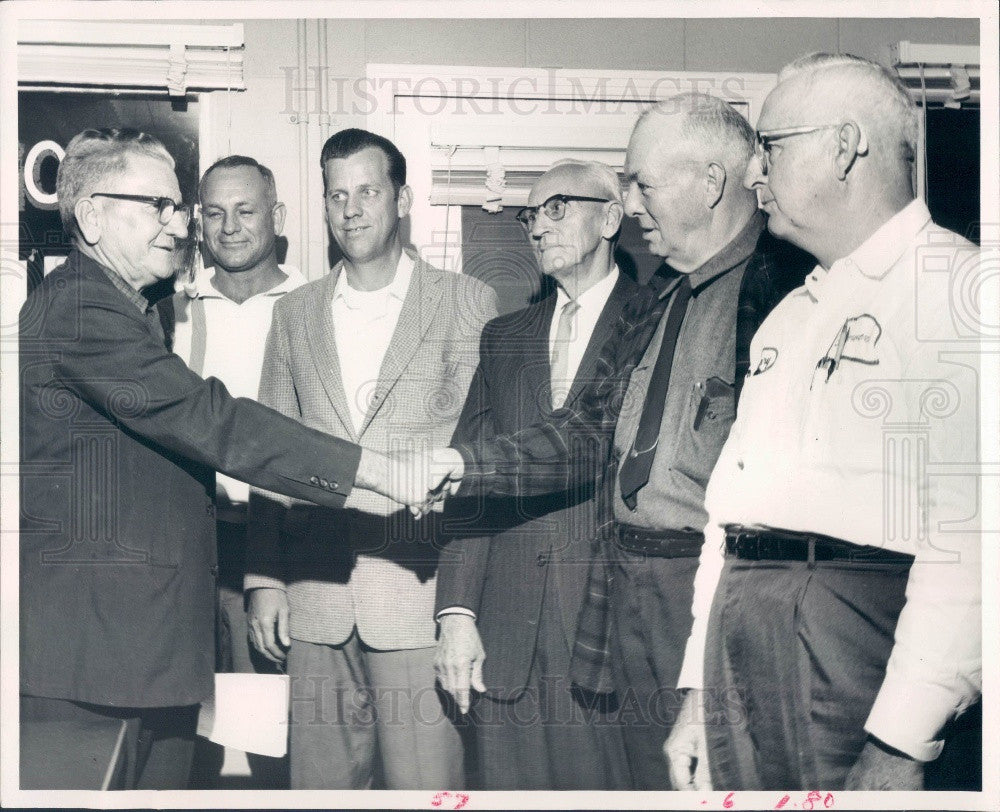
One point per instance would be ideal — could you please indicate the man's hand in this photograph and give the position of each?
(414, 478)
(267, 617)
(881, 767)
(686, 750)
(459, 658)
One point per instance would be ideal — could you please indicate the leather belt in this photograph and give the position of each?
(786, 545)
(658, 543)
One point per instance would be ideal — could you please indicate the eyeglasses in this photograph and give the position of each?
(166, 207)
(764, 139)
(554, 208)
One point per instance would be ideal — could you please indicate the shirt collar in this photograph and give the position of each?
(204, 289)
(876, 256)
(735, 252)
(130, 293)
(396, 289)
(595, 296)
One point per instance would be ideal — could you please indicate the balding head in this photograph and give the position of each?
(574, 239)
(591, 178)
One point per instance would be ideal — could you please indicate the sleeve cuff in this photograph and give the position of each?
(455, 610)
(254, 581)
(909, 717)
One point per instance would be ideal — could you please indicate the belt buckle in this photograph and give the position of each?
(748, 545)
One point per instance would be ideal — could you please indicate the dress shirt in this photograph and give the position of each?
(235, 335)
(688, 446)
(591, 303)
(363, 323)
(858, 420)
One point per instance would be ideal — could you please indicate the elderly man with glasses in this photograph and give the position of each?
(666, 389)
(119, 440)
(511, 585)
(837, 606)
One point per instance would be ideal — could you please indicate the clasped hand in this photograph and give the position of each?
(418, 479)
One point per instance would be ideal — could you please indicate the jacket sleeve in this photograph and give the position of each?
(266, 510)
(571, 448)
(465, 554)
(121, 368)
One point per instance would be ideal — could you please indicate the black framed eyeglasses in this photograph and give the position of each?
(166, 207)
(554, 208)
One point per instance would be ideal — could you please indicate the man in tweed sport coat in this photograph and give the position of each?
(382, 351)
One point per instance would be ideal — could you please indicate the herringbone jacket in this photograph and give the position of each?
(381, 579)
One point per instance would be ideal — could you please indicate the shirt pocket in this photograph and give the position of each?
(704, 427)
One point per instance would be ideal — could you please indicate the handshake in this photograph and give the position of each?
(417, 479)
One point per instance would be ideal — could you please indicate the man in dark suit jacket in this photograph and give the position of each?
(512, 582)
(119, 440)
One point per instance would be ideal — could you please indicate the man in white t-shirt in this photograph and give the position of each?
(218, 324)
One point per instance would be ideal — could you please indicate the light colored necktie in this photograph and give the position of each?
(560, 354)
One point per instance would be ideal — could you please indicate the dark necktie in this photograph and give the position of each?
(634, 473)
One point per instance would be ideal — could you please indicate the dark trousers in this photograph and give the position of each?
(549, 735)
(650, 605)
(795, 657)
(158, 745)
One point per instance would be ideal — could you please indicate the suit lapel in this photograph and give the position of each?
(602, 332)
(323, 343)
(536, 364)
(415, 318)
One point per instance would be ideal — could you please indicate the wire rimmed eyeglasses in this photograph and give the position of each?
(166, 207)
(554, 208)
(765, 138)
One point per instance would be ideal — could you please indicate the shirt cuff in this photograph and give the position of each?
(255, 581)
(909, 717)
(455, 610)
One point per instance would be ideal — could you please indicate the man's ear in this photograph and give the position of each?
(278, 217)
(404, 200)
(715, 183)
(88, 220)
(851, 143)
(613, 220)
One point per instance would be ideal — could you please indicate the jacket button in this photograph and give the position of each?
(334, 486)
(323, 483)
(314, 480)
(542, 560)
(214, 570)
(209, 510)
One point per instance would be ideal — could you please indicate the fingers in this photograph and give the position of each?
(267, 619)
(477, 675)
(283, 635)
(259, 637)
(681, 760)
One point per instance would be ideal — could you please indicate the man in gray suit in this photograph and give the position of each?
(381, 351)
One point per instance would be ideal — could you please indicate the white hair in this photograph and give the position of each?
(92, 157)
(601, 177)
(712, 123)
(873, 91)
